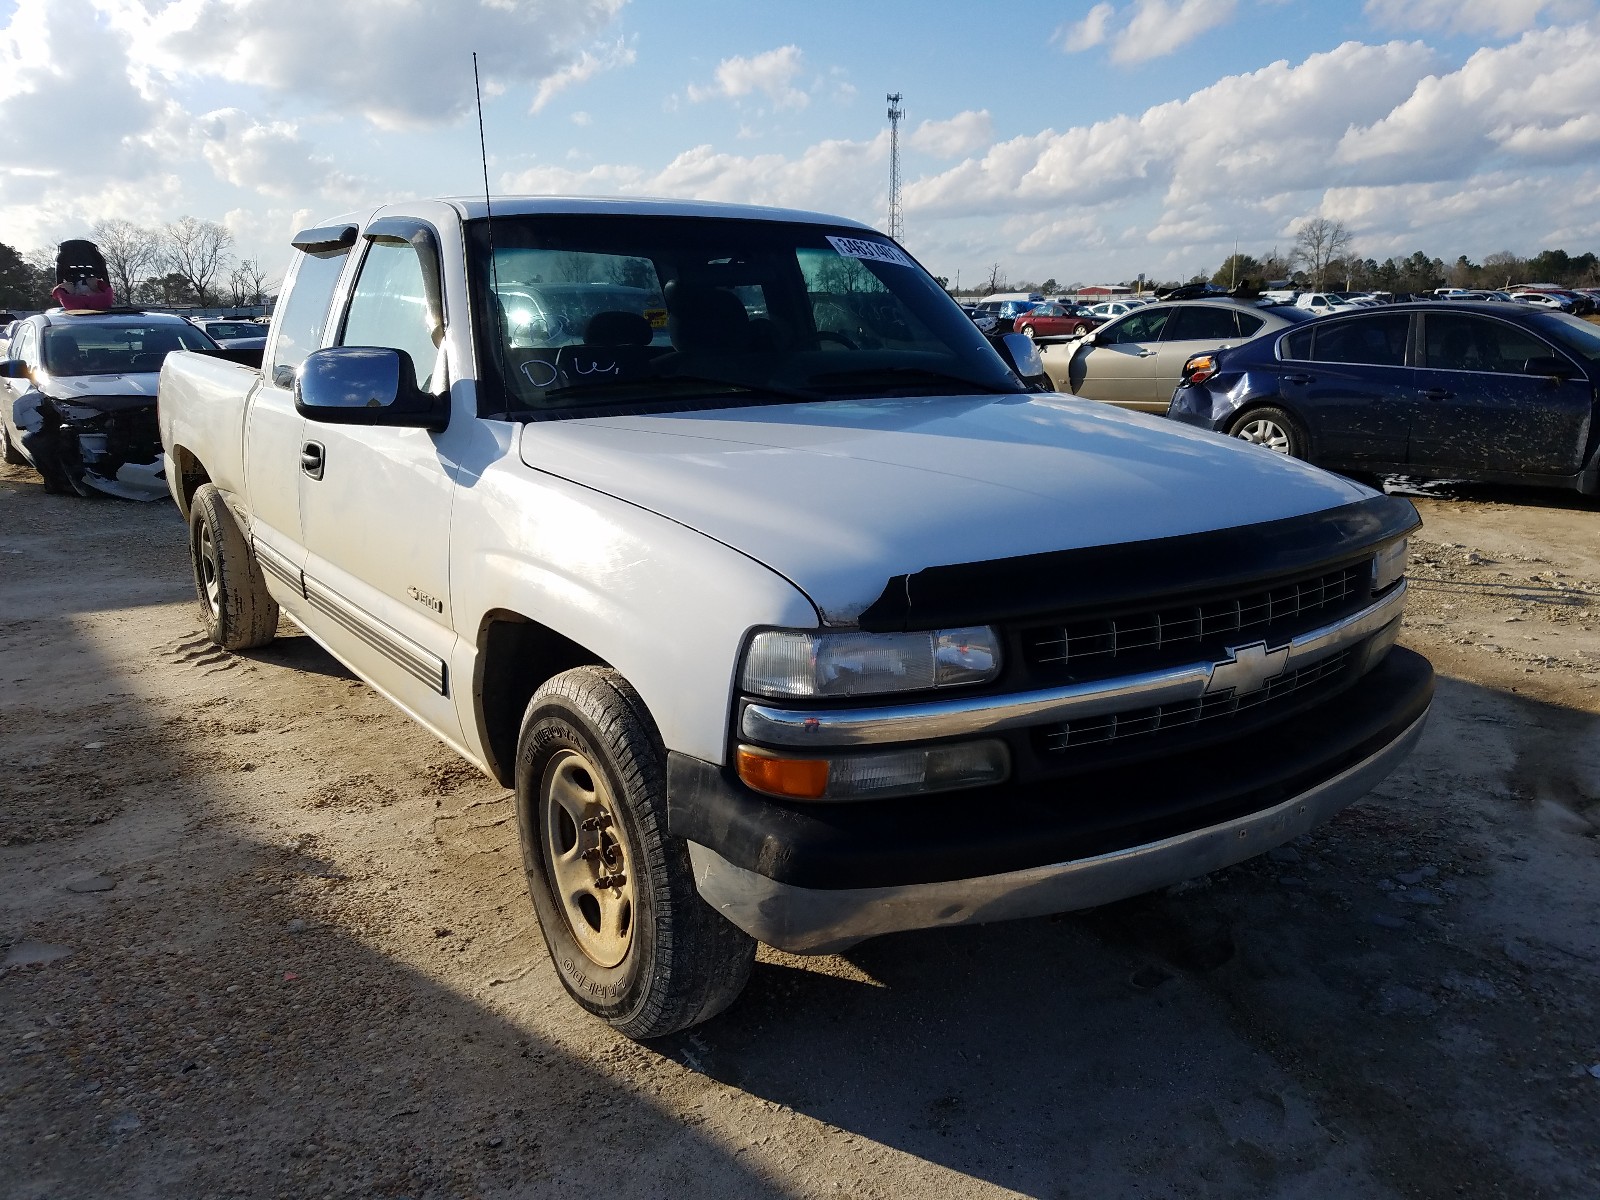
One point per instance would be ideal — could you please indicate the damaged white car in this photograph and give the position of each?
(78, 398)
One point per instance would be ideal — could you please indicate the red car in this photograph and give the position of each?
(1051, 320)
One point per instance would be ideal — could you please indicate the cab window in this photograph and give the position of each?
(389, 307)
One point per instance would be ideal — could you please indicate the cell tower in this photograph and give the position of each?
(896, 222)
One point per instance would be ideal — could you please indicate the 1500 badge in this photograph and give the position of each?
(422, 597)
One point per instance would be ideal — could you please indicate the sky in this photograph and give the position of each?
(1085, 142)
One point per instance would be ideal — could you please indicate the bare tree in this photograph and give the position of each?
(1320, 241)
(247, 284)
(1503, 268)
(129, 250)
(997, 281)
(196, 250)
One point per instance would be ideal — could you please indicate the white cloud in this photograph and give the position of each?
(270, 159)
(1146, 28)
(1088, 33)
(397, 63)
(585, 68)
(837, 176)
(1160, 27)
(961, 134)
(771, 74)
(1534, 100)
(1502, 18)
(1276, 127)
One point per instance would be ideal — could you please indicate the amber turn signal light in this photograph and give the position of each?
(1199, 368)
(799, 778)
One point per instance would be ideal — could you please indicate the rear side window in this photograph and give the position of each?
(305, 312)
(1201, 323)
(1378, 341)
(1248, 325)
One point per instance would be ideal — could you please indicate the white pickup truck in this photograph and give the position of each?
(788, 609)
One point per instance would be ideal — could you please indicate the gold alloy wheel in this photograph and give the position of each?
(591, 869)
(210, 578)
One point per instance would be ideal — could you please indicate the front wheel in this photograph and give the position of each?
(13, 456)
(1079, 330)
(240, 613)
(633, 942)
(1272, 428)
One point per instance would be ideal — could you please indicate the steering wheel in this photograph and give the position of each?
(830, 335)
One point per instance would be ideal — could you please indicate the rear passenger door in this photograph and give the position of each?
(1349, 380)
(375, 501)
(1193, 329)
(1481, 408)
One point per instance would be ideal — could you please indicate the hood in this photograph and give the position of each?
(128, 390)
(840, 497)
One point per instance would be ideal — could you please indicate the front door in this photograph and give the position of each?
(375, 502)
(1490, 399)
(1119, 366)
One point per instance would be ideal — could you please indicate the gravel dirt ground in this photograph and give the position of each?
(263, 937)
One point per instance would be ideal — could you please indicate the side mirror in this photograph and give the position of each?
(366, 385)
(1022, 356)
(13, 368)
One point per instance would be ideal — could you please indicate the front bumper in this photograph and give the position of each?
(822, 921)
(818, 877)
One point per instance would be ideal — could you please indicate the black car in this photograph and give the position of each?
(1455, 389)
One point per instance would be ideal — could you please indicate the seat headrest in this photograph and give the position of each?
(617, 329)
(706, 318)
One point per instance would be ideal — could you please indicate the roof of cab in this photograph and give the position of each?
(472, 208)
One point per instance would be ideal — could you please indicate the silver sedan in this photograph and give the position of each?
(1135, 361)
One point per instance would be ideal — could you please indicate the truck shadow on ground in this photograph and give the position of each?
(1270, 1029)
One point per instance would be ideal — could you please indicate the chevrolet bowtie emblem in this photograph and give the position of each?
(1248, 670)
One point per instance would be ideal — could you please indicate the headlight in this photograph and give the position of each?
(1389, 565)
(790, 663)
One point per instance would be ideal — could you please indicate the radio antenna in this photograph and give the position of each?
(497, 319)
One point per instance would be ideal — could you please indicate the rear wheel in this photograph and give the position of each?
(1273, 428)
(239, 612)
(1080, 329)
(1028, 330)
(633, 942)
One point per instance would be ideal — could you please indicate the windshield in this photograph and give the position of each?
(579, 313)
(1570, 333)
(235, 329)
(116, 348)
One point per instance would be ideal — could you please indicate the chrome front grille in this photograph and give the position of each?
(1109, 727)
(1097, 643)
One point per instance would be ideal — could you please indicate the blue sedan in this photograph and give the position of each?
(1463, 390)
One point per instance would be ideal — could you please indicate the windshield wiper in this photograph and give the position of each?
(607, 387)
(923, 374)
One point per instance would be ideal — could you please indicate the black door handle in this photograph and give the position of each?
(1437, 394)
(1302, 380)
(311, 459)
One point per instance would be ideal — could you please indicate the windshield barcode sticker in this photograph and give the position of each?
(872, 251)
